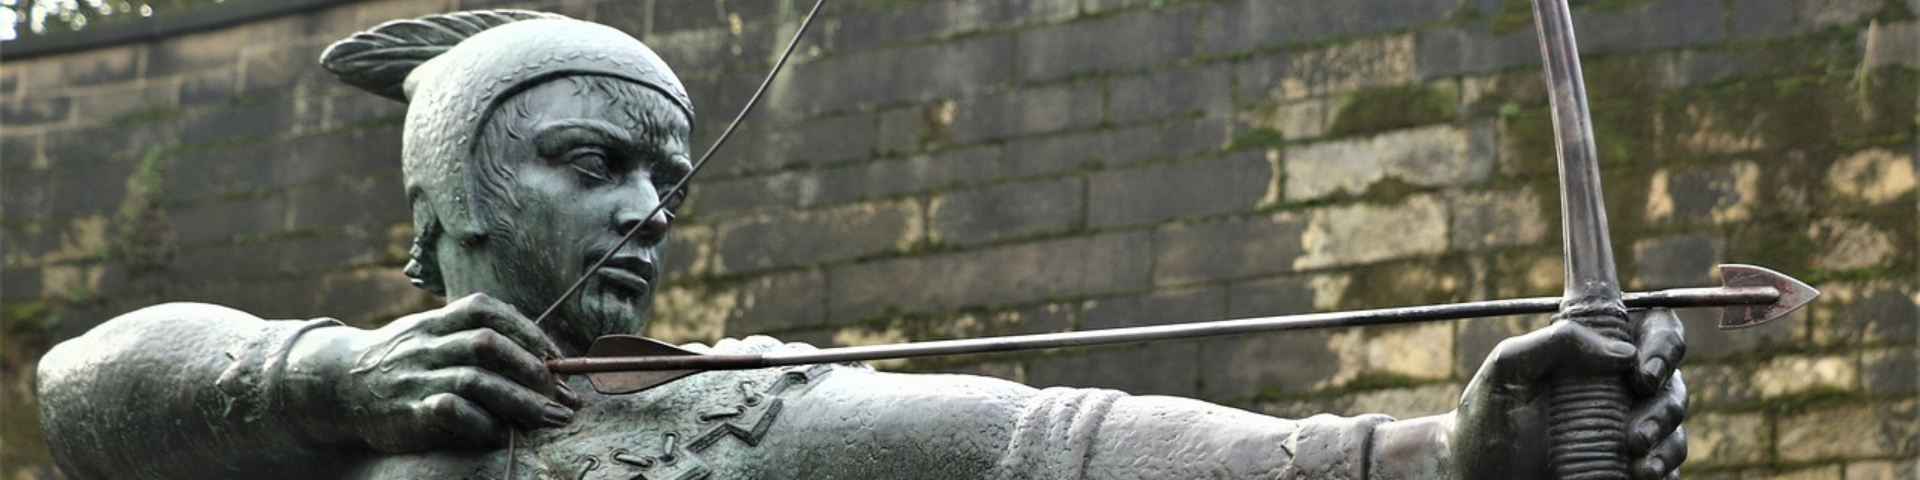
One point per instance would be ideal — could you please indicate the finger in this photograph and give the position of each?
(1665, 459)
(1663, 344)
(503, 398)
(482, 311)
(460, 420)
(1656, 417)
(1533, 356)
(489, 349)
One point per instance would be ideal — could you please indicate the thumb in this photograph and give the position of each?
(1531, 358)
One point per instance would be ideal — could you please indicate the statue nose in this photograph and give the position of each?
(652, 229)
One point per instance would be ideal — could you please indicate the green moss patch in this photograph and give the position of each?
(1393, 107)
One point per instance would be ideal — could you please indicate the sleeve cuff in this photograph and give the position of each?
(1331, 447)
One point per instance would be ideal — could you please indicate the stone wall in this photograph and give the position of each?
(947, 169)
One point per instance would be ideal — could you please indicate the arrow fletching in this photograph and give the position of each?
(614, 346)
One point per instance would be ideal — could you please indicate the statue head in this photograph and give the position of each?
(532, 143)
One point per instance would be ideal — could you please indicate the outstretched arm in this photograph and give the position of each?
(181, 390)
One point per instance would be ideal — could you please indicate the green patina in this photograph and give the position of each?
(1394, 107)
(26, 330)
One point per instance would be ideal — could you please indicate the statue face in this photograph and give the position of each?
(571, 165)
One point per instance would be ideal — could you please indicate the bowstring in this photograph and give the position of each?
(679, 188)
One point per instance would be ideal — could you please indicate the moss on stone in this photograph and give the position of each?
(1393, 107)
(1257, 138)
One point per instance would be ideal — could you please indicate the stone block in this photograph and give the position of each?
(1874, 176)
(1890, 44)
(98, 66)
(1727, 439)
(20, 151)
(334, 206)
(86, 190)
(127, 104)
(1027, 111)
(191, 55)
(1655, 25)
(824, 139)
(922, 20)
(1152, 369)
(1845, 244)
(904, 129)
(1204, 135)
(1227, 184)
(1152, 37)
(1276, 296)
(1799, 374)
(1720, 194)
(247, 122)
(355, 109)
(1296, 121)
(1494, 218)
(1868, 312)
(1205, 88)
(1761, 18)
(214, 87)
(1161, 308)
(826, 235)
(284, 69)
(716, 49)
(1361, 234)
(1007, 210)
(1882, 470)
(1233, 249)
(1244, 366)
(1254, 24)
(36, 111)
(1002, 275)
(293, 162)
(1339, 68)
(1890, 371)
(79, 146)
(916, 73)
(1676, 261)
(1421, 351)
(1434, 156)
(778, 302)
(19, 284)
(1852, 431)
(1825, 13)
(299, 256)
(1406, 403)
(1058, 153)
(1705, 340)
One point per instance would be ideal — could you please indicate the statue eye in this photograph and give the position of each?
(590, 162)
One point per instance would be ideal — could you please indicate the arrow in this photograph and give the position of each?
(626, 363)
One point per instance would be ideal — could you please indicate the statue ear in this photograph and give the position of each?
(380, 59)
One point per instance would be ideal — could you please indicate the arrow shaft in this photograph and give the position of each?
(1675, 298)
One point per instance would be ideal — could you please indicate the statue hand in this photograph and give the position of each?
(1500, 430)
(456, 376)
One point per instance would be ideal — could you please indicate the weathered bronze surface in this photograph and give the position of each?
(533, 142)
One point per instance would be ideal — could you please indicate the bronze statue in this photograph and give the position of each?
(533, 142)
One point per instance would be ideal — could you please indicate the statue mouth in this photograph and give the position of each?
(632, 273)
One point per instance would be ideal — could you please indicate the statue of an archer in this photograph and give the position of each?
(544, 158)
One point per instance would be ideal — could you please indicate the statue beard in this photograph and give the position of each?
(596, 310)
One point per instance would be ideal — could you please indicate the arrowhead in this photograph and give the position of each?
(1793, 294)
(615, 383)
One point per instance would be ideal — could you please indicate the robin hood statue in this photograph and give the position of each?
(532, 143)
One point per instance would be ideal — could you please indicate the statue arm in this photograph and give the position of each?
(956, 426)
(181, 390)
